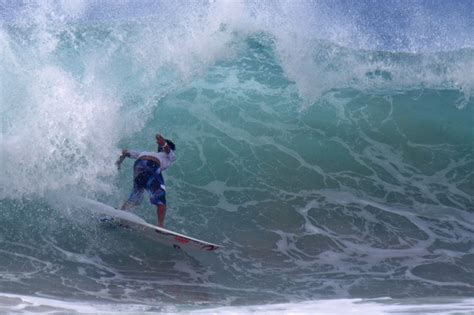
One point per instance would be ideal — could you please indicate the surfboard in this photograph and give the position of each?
(126, 220)
(109, 216)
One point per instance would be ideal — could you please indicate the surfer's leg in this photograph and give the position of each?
(158, 197)
(141, 174)
(134, 200)
(160, 213)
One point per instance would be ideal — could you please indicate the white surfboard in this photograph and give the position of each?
(127, 220)
(162, 235)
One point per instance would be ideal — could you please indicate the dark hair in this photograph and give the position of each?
(170, 144)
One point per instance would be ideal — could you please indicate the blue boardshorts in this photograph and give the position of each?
(147, 176)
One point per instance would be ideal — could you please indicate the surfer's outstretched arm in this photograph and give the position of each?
(162, 143)
(126, 154)
(122, 157)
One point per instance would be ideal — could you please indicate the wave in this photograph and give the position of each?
(326, 168)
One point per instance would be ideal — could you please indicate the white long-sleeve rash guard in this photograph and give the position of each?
(166, 159)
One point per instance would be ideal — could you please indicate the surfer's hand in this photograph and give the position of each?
(121, 158)
(119, 162)
(159, 139)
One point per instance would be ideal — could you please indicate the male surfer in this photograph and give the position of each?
(147, 175)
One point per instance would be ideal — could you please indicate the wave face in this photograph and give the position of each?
(331, 160)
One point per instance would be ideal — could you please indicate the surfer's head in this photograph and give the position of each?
(170, 143)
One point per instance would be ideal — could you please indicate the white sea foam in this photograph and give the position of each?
(21, 304)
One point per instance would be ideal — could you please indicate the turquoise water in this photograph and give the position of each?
(327, 169)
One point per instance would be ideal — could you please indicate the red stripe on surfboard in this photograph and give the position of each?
(181, 240)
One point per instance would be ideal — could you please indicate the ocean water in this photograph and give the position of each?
(327, 145)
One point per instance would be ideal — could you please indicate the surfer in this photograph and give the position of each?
(147, 175)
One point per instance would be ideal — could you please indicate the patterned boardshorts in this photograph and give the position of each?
(147, 176)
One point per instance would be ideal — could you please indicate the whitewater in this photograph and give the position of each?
(327, 145)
